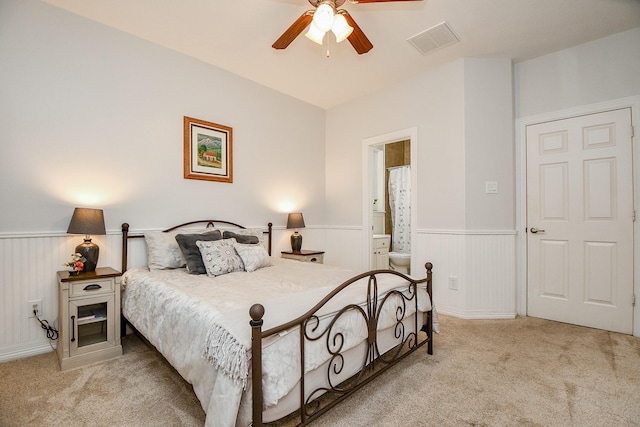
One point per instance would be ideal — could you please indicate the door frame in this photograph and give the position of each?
(521, 192)
(410, 134)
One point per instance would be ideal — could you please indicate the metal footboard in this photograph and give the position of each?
(409, 334)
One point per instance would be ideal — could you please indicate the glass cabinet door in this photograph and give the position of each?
(89, 324)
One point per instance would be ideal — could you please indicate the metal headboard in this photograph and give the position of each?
(209, 223)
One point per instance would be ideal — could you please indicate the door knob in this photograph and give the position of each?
(536, 230)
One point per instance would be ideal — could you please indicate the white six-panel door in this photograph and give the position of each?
(580, 220)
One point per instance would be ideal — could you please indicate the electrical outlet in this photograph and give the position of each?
(453, 283)
(36, 305)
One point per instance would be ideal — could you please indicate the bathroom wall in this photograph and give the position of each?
(395, 154)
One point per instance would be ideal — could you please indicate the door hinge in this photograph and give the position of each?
(633, 300)
(633, 133)
(633, 216)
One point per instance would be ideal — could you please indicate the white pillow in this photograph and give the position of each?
(220, 257)
(253, 256)
(163, 251)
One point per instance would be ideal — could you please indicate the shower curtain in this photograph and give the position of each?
(400, 204)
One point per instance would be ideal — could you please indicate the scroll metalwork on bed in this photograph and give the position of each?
(360, 340)
(333, 336)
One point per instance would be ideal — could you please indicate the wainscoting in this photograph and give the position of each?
(344, 247)
(28, 267)
(483, 263)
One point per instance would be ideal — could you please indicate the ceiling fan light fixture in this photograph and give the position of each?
(315, 34)
(323, 17)
(326, 16)
(341, 29)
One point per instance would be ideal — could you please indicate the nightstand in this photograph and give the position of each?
(305, 255)
(89, 313)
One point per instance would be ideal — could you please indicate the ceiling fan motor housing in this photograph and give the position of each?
(334, 3)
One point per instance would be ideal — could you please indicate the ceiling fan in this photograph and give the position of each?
(327, 17)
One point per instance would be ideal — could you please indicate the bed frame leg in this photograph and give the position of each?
(430, 332)
(256, 312)
(429, 267)
(125, 246)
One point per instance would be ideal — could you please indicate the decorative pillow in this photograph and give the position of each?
(241, 238)
(220, 257)
(252, 232)
(163, 251)
(191, 252)
(253, 256)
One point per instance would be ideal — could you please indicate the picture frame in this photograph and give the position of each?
(208, 151)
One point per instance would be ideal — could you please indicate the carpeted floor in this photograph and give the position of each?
(138, 388)
(522, 372)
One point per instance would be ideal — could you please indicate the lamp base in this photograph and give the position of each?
(90, 251)
(296, 242)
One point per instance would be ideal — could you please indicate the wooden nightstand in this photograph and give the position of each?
(89, 313)
(305, 255)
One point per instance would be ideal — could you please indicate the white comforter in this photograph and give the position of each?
(201, 325)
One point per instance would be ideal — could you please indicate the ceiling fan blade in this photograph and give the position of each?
(294, 30)
(377, 1)
(358, 40)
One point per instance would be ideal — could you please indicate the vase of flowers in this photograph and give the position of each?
(76, 263)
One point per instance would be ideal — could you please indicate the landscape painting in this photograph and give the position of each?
(207, 151)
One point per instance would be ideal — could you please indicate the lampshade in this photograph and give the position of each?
(315, 34)
(323, 17)
(87, 221)
(341, 28)
(295, 220)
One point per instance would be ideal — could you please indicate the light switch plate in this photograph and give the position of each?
(491, 187)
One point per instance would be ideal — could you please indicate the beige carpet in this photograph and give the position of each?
(522, 372)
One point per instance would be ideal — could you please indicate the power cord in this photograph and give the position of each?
(52, 333)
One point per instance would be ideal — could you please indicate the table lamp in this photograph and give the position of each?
(295, 221)
(87, 221)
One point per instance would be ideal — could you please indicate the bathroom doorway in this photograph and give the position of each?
(380, 155)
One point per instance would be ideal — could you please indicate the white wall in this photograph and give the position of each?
(91, 116)
(489, 148)
(432, 102)
(464, 113)
(464, 116)
(604, 72)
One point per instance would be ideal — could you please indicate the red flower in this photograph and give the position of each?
(79, 265)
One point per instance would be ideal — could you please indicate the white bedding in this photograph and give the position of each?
(201, 325)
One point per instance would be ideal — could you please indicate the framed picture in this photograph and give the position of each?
(208, 151)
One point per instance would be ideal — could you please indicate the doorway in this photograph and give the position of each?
(579, 220)
(370, 151)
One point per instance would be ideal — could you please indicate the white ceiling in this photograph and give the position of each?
(236, 35)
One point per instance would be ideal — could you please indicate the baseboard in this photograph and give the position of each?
(21, 353)
(474, 314)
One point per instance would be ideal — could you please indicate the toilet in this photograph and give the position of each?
(400, 262)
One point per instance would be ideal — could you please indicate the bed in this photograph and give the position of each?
(271, 338)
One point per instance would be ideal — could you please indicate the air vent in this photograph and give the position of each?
(433, 38)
